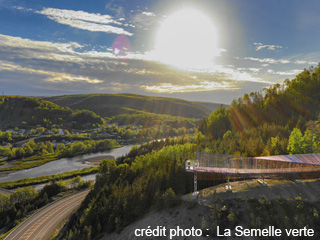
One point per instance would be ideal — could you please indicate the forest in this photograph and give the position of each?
(109, 105)
(33, 154)
(152, 119)
(264, 123)
(18, 205)
(283, 119)
(32, 111)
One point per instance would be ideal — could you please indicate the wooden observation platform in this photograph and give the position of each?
(222, 166)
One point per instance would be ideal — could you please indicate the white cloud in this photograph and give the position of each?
(285, 73)
(305, 62)
(49, 75)
(22, 8)
(116, 8)
(149, 14)
(63, 63)
(94, 22)
(253, 70)
(239, 74)
(268, 60)
(35, 49)
(144, 20)
(260, 46)
(200, 87)
(300, 62)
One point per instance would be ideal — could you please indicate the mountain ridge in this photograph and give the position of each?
(109, 105)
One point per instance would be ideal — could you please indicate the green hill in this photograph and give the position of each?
(210, 106)
(151, 176)
(109, 105)
(292, 104)
(153, 119)
(31, 111)
(267, 123)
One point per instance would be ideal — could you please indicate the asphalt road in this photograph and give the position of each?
(41, 224)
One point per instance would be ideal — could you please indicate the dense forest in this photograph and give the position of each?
(282, 119)
(18, 205)
(124, 192)
(109, 105)
(33, 154)
(32, 111)
(152, 120)
(260, 123)
(136, 118)
(211, 106)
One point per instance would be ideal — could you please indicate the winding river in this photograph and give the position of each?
(63, 165)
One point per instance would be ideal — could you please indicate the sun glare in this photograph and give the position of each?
(187, 39)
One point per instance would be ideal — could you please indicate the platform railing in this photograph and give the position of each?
(242, 165)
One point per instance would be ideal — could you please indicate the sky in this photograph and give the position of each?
(208, 50)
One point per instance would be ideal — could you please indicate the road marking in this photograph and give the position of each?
(50, 210)
(48, 215)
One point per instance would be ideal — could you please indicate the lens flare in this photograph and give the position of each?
(121, 46)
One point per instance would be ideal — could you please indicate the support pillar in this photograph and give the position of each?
(228, 187)
(195, 183)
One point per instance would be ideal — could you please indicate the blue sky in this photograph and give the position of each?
(218, 52)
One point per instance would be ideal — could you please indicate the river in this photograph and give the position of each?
(63, 165)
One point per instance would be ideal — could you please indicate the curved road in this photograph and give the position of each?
(41, 224)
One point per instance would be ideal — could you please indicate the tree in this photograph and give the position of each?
(6, 152)
(74, 182)
(170, 199)
(49, 147)
(5, 136)
(227, 135)
(295, 145)
(4, 201)
(219, 122)
(41, 130)
(54, 130)
(32, 144)
(66, 132)
(27, 149)
(60, 148)
(307, 141)
(23, 194)
(200, 139)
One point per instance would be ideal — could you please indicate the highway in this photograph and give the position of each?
(41, 224)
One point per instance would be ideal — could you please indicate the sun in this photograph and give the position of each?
(187, 39)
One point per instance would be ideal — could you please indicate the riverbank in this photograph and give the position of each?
(45, 179)
(64, 164)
